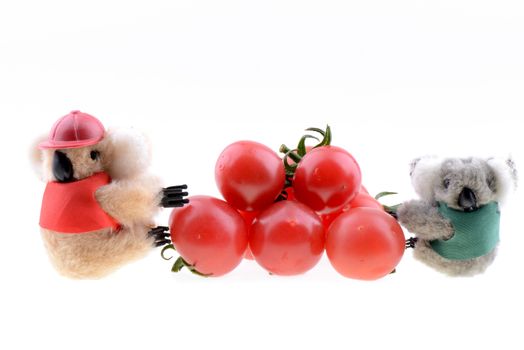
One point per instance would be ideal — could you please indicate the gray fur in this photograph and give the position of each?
(424, 219)
(437, 180)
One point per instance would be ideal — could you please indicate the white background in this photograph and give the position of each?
(394, 79)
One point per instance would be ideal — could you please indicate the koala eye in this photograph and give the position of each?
(95, 155)
(446, 183)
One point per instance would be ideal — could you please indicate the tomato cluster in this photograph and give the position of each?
(284, 212)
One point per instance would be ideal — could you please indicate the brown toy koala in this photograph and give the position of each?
(99, 204)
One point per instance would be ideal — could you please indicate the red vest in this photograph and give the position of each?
(72, 207)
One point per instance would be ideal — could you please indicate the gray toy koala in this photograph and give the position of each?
(456, 221)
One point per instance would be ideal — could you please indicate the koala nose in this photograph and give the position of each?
(467, 200)
(62, 167)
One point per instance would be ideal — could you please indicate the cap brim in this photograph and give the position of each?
(68, 144)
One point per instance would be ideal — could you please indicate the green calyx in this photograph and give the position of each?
(293, 156)
(180, 263)
(390, 209)
(300, 151)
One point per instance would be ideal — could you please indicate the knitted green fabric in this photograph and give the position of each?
(476, 232)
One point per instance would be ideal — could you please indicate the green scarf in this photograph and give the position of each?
(476, 233)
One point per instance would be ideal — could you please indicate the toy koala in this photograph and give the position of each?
(456, 221)
(99, 203)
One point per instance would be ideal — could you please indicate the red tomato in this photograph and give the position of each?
(249, 217)
(326, 179)
(363, 199)
(365, 243)
(287, 238)
(249, 175)
(209, 234)
(363, 189)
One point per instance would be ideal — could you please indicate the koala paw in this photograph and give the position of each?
(424, 220)
(410, 215)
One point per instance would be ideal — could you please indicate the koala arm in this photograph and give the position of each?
(133, 201)
(424, 220)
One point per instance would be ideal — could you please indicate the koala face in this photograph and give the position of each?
(67, 165)
(463, 184)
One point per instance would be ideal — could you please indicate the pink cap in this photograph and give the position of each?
(74, 130)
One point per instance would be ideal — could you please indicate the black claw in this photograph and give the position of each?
(393, 214)
(158, 229)
(174, 203)
(411, 242)
(179, 187)
(162, 243)
(174, 193)
(173, 196)
(160, 235)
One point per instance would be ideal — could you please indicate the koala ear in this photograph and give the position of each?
(412, 165)
(425, 173)
(126, 153)
(505, 177)
(513, 170)
(36, 157)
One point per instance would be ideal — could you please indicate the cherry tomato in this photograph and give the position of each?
(326, 179)
(249, 217)
(365, 243)
(363, 199)
(209, 234)
(249, 175)
(287, 238)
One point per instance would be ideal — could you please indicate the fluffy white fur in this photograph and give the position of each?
(129, 153)
(425, 175)
(36, 157)
(507, 177)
